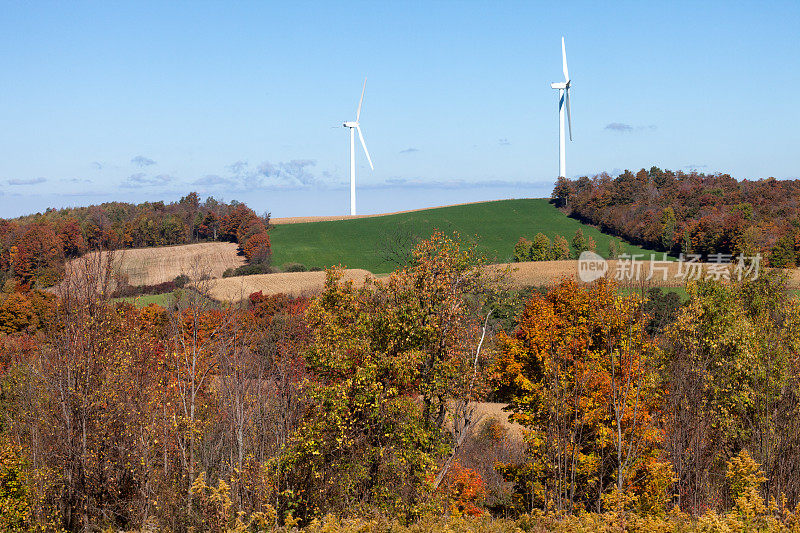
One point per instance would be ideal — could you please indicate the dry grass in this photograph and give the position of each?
(794, 278)
(150, 266)
(486, 411)
(531, 273)
(546, 273)
(238, 288)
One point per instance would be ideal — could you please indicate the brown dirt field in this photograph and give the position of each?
(300, 220)
(238, 288)
(150, 266)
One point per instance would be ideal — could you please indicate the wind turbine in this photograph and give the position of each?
(353, 128)
(563, 101)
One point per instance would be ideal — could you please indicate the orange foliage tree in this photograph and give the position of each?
(581, 383)
(257, 248)
(465, 490)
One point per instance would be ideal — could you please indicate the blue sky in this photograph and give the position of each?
(147, 101)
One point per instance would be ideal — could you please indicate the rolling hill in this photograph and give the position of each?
(149, 266)
(360, 242)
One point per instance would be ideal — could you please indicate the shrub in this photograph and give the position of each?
(294, 267)
(744, 476)
(126, 291)
(615, 248)
(465, 489)
(15, 499)
(249, 270)
(662, 307)
(181, 281)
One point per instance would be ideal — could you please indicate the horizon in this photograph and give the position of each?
(150, 101)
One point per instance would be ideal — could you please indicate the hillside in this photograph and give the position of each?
(362, 242)
(150, 266)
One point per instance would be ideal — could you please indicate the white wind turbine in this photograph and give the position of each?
(353, 128)
(563, 101)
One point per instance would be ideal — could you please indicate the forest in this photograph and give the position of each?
(365, 408)
(34, 248)
(691, 213)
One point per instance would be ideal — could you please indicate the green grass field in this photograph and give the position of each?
(358, 243)
(164, 300)
(167, 299)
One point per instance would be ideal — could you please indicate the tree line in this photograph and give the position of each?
(691, 213)
(541, 248)
(34, 248)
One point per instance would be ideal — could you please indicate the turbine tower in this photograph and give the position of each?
(563, 102)
(353, 128)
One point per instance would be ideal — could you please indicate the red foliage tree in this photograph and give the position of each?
(257, 248)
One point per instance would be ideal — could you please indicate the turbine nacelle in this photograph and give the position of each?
(560, 85)
(350, 124)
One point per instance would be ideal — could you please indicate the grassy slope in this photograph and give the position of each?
(496, 225)
(164, 300)
(167, 299)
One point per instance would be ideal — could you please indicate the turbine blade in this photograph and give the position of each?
(358, 113)
(564, 59)
(360, 136)
(569, 116)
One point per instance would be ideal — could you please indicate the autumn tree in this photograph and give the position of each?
(257, 248)
(196, 337)
(522, 250)
(364, 439)
(87, 419)
(733, 384)
(445, 289)
(16, 313)
(561, 192)
(71, 237)
(560, 249)
(540, 248)
(579, 243)
(580, 383)
(668, 230)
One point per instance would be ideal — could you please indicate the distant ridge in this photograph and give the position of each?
(303, 220)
